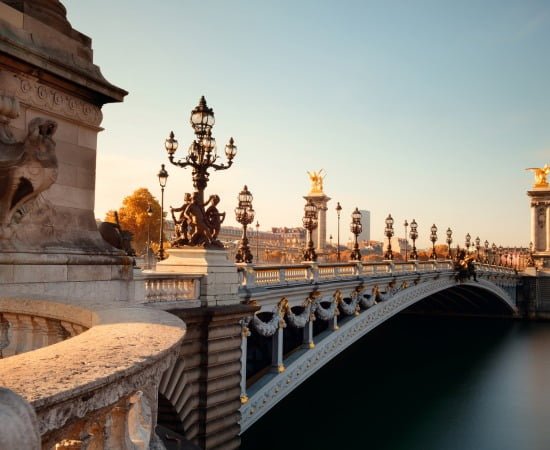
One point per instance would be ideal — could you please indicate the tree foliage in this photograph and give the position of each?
(133, 217)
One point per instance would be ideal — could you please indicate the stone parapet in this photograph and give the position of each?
(219, 280)
(106, 393)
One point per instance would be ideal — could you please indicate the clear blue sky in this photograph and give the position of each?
(423, 109)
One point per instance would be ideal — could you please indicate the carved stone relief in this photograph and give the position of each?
(31, 92)
(27, 168)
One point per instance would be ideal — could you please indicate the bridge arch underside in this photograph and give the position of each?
(464, 300)
(441, 296)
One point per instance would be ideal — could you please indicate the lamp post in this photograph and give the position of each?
(389, 233)
(356, 227)
(310, 223)
(149, 215)
(500, 252)
(163, 178)
(486, 244)
(414, 235)
(433, 238)
(467, 243)
(406, 224)
(245, 216)
(478, 246)
(338, 210)
(257, 242)
(449, 242)
(494, 249)
(201, 157)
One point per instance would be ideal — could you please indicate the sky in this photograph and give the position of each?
(428, 110)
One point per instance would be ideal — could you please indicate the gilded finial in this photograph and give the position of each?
(316, 182)
(540, 175)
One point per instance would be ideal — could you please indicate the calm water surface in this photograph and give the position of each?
(418, 383)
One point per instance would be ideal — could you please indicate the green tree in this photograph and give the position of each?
(133, 217)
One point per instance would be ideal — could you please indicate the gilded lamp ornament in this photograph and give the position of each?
(200, 221)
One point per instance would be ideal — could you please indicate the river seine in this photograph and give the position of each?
(423, 383)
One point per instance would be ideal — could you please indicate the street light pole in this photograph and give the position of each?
(244, 214)
(414, 235)
(449, 242)
(356, 227)
(310, 221)
(433, 238)
(202, 156)
(406, 224)
(257, 242)
(389, 233)
(338, 210)
(163, 177)
(149, 215)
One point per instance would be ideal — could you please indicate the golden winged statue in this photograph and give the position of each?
(540, 175)
(316, 182)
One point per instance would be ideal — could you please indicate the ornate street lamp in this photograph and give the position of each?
(163, 178)
(449, 242)
(478, 246)
(356, 227)
(257, 242)
(494, 249)
(310, 223)
(433, 238)
(500, 252)
(467, 243)
(406, 224)
(201, 157)
(414, 235)
(486, 244)
(245, 216)
(338, 210)
(149, 215)
(389, 233)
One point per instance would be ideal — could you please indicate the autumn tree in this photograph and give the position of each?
(133, 217)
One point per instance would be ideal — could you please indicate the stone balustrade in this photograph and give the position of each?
(98, 389)
(171, 288)
(281, 275)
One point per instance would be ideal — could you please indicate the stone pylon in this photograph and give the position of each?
(540, 224)
(320, 200)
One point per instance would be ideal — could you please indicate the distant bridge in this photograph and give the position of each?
(308, 314)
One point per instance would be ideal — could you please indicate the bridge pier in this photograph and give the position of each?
(209, 384)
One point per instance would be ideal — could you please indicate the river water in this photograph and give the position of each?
(422, 383)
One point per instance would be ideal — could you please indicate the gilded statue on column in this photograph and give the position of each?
(540, 175)
(316, 182)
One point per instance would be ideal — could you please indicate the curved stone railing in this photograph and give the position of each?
(98, 389)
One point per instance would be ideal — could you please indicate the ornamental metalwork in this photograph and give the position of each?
(200, 221)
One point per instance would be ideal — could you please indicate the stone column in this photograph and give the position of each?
(548, 227)
(320, 234)
(277, 364)
(534, 225)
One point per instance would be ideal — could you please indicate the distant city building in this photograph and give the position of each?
(365, 221)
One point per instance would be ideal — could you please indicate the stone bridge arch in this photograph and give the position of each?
(441, 294)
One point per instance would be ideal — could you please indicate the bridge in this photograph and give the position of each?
(312, 313)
